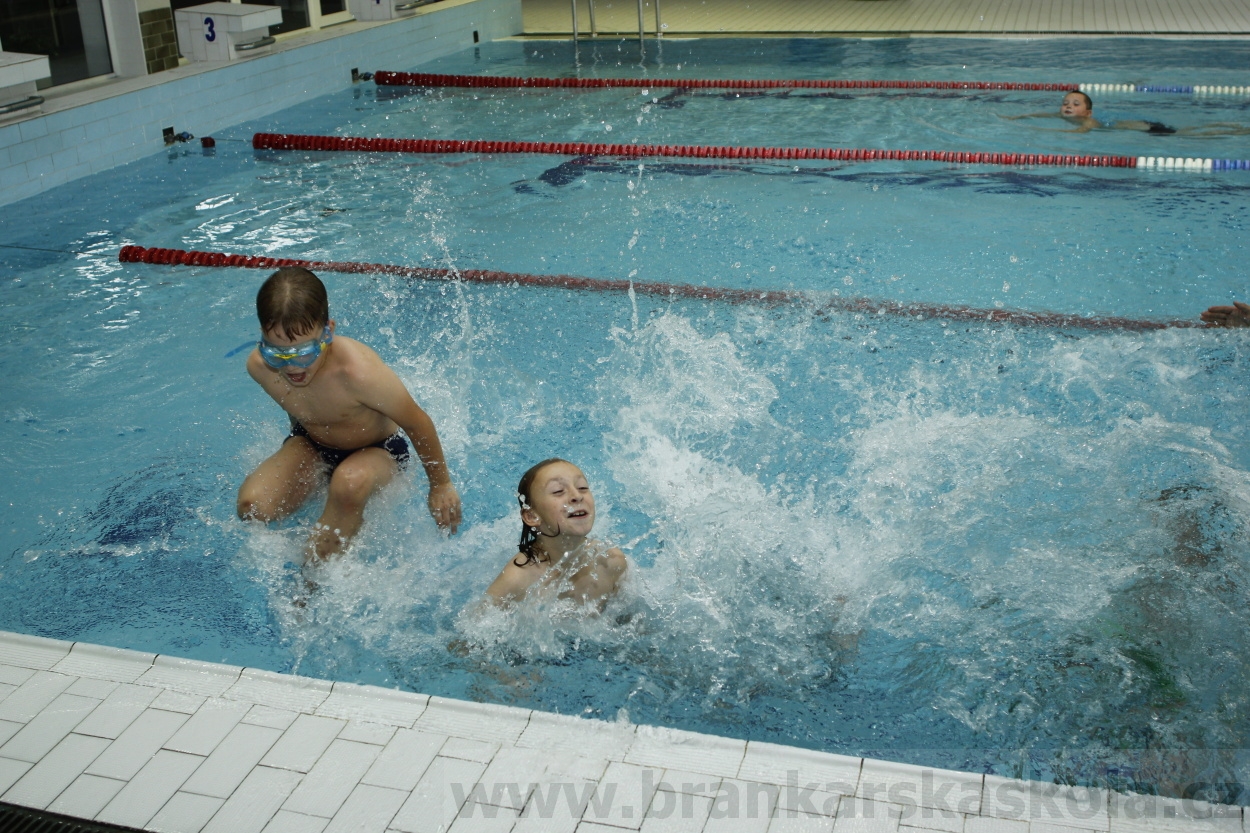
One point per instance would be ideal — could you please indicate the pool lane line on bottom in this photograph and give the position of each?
(388, 78)
(818, 304)
(289, 141)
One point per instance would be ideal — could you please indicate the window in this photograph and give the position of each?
(70, 32)
(302, 14)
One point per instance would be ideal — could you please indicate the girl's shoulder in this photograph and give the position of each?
(515, 578)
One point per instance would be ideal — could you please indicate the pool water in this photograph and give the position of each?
(990, 547)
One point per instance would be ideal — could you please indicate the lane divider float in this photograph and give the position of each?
(1183, 89)
(431, 79)
(817, 303)
(288, 141)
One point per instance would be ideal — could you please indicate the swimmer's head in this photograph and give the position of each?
(292, 301)
(1076, 104)
(555, 499)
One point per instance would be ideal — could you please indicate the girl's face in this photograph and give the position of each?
(560, 502)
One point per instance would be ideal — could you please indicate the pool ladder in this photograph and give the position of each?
(594, 31)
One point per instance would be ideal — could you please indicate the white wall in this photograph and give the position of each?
(125, 38)
(87, 132)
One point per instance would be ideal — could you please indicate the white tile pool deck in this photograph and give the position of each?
(176, 745)
(168, 744)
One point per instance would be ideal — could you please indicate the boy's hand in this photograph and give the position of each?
(445, 506)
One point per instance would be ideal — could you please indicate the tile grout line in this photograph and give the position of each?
(646, 746)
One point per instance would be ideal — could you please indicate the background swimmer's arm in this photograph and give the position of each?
(1086, 124)
(1238, 315)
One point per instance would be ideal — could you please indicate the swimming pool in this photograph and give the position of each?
(987, 547)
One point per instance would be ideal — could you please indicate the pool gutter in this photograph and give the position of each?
(162, 743)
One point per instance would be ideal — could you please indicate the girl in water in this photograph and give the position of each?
(557, 514)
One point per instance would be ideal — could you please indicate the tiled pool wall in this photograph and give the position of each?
(169, 744)
(86, 132)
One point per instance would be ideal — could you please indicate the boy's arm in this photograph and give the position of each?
(387, 395)
(444, 501)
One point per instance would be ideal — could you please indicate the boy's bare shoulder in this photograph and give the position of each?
(358, 363)
(355, 352)
(256, 365)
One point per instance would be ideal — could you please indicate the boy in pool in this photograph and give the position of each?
(346, 409)
(1077, 109)
(1237, 315)
(557, 514)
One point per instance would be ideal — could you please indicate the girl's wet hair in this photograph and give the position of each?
(529, 534)
(294, 300)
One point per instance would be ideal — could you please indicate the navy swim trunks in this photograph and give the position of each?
(1158, 128)
(395, 445)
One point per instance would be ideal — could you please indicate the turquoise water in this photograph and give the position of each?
(997, 548)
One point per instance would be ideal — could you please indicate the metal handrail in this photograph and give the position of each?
(594, 29)
(256, 44)
(25, 103)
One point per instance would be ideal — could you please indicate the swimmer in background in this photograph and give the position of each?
(1077, 109)
(1237, 315)
(346, 409)
(557, 515)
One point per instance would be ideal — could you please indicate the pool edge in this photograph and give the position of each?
(159, 742)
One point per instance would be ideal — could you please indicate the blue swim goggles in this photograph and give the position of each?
(300, 355)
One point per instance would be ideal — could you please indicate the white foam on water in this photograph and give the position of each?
(995, 543)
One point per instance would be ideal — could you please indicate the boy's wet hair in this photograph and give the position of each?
(1089, 102)
(294, 300)
(530, 534)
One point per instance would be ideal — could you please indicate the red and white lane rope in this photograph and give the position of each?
(285, 141)
(430, 79)
(818, 303)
